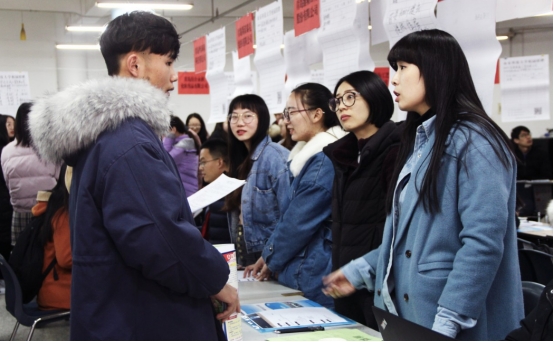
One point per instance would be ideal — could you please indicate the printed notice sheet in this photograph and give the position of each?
(269, 61)
(217, 189)
(513, 9)
(266, 317)
(473, 25)
(525, 88)
(297, 67)
(242, 75)
(215, 45)
(14, 90)
(338, 42)
(407, 16)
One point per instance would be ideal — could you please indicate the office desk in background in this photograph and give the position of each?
(271, 291)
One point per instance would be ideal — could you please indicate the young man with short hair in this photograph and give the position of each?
(141, 270)
(213, 162)
(532, 161)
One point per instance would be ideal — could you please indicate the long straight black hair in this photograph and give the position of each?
(240, 158)
(4, 136)
(451, 94)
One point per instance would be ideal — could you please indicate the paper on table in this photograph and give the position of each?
(297, 68)
(472, 23)
(243, 77)
(512, 9)
(339, 45)
(300, 317)
(217, 189)
(525, 88)
(240, 276)
(378, 32)
(328, 335)
(215, 45)
(268, 59)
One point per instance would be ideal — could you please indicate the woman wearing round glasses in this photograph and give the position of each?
(363, 161)
(299, 250)
(255, 208)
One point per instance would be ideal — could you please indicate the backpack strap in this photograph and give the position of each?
(49, 268)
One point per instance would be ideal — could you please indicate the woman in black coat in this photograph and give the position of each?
(364, 162)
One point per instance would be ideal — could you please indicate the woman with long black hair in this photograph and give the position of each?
(255, 208)
(448, 260)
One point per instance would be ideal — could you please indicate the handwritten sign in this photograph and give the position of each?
(403, 17)
(384, 73)
(306, 16)
(14, 90)
(245, 36)
(200, 61)
(193, 83)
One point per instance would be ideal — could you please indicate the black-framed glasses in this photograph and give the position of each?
(287, 113)
(246, 117)
(203, 163)
(348, 99)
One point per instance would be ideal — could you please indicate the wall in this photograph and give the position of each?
(50, 69)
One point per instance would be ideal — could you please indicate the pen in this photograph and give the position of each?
(294, 330)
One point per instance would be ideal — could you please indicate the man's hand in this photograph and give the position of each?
(253, 270)
(229, 296)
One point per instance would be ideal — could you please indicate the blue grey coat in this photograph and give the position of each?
(463, 258)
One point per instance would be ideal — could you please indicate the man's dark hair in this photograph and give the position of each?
(517, 131)
(138, 31)
(217, 148)
(22, 134)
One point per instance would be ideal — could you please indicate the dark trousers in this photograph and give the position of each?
(358, 307)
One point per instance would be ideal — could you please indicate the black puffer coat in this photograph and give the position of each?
(359, 191)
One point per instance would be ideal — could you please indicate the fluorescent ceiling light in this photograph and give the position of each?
(502, 37)
(369, 27)
(78, 46)
(141, 5)
(85, 28)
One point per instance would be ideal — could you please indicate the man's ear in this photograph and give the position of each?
(131, 62)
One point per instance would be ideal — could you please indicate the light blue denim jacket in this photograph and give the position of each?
(264, 196)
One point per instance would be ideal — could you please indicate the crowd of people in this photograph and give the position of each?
(340, 202)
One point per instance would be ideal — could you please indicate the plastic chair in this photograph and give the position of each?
(531, 294)
(27, 314)
(535, 266)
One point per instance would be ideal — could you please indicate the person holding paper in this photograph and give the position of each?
(141, 270)
(298, 251)
(448, 260)
(254, 209)
(363, 163)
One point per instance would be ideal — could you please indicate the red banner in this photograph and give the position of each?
(383, 72)
(193, 83)
(200, 61)
(306, 16)
(245, 38)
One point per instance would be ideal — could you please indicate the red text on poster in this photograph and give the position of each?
(200, 62)
(245, 37)
(306, 16)
(383, 72)
(193, 83)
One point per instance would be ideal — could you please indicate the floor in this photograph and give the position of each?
(56, 331)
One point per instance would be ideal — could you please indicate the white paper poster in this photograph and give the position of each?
(472, 23)
(268, 60)
(313, 49)
(525, 88)
(339, 44)
(317, 76)
(378, 32)
(215, 75)
(513, 9)
(14, 90)
(361, 22)
(407, 16)
(242, 75)
(297, 68)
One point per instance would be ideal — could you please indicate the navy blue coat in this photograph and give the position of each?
(141, 269)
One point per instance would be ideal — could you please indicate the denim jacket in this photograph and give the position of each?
(300, 248)
(264, 195)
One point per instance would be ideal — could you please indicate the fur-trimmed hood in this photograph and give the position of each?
(303, 151)
(72, 119)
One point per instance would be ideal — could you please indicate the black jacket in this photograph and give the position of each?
(534, 165)
(218, 226)
(537, 326)
(359, 191)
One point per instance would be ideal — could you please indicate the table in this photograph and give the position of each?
(271, 291)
